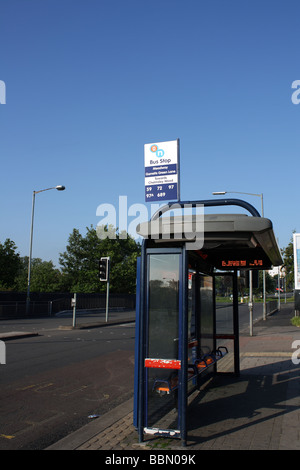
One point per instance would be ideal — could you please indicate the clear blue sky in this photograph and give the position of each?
(89, 82)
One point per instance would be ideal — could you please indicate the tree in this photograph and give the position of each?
(9, 264)
(44, 276)
(80, 261)
(270, 284)
(288, 261)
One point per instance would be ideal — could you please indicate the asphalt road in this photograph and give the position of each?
(224, 317)
(53, 382)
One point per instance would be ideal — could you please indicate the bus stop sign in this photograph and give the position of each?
(162, 171)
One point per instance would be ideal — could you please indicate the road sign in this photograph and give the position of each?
(296, 243)
(162, 171)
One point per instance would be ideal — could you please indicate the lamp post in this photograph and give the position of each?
(219, 193)
(59, 188)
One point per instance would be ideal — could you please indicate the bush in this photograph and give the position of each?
(295, 321)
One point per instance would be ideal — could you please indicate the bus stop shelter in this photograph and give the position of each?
(182, 336)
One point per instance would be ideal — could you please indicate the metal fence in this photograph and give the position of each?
(271, 306)
(51, 306)
(17, 309)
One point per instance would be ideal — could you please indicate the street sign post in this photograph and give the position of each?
(162, 171)
(296, 243)
(104, 266)
(73, 304)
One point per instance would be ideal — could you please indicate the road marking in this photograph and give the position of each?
(266, 354)
(25, 388)
(83, 387)
(35, 387)
(43, 386)
(5, 436)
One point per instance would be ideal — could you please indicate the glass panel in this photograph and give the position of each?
(163, 306)
(163, 341)
(224, 304)
(206, 314)
(224, 320)
(191, 304)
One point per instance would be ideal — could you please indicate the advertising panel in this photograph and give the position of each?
(296, 241)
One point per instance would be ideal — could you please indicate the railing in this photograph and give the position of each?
(271, 306)
(17, 308)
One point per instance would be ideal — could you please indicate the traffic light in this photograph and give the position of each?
(243, 278)
(104, 269)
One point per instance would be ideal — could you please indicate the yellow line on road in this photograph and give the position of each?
(36, 387)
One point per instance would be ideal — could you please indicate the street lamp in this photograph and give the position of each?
(59, 188)
(219, 193)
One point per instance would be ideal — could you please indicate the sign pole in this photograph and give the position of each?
(104, 268)
(296, 249)
(74, 310)
(250, 305)
(107, 299)
(107, 289)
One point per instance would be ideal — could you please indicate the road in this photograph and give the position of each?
(224, 317)
(53, 382)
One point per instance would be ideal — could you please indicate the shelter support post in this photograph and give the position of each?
(236, 326)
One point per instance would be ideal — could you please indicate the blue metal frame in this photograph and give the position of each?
(163, 251)
(182, 398)
(136, 351)
(140, 400)
(141, 346)
(140, 393)
(141, 343)
(208, 203)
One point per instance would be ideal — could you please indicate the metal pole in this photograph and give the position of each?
(107, 288)
(236, 345)
(285, 288)
(264, 295)
(250, 303)
(107, 299)
(74, 310)
(183, 342)
(278, 288)
(59, 188)
(30, 256)
(278, 283)
(142, 346)
(264, 272)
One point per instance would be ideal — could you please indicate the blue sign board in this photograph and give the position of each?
(162, 171)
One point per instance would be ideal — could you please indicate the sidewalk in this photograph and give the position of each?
(11, 328)
(260, 410)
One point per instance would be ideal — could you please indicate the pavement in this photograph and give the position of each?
(259, 410)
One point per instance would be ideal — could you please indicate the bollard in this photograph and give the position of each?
(2, 352)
